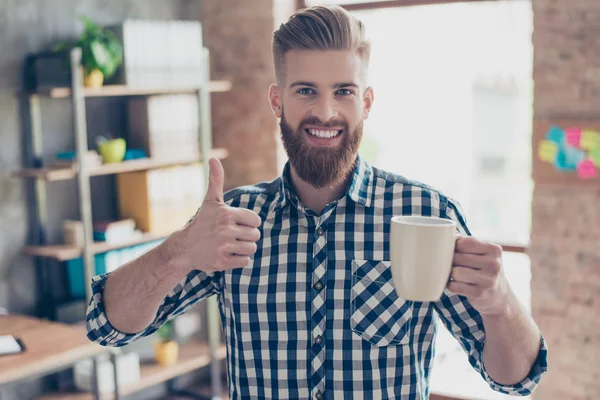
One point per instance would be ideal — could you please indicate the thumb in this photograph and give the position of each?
(215, 181)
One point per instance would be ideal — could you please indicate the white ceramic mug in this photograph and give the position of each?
(421, 253)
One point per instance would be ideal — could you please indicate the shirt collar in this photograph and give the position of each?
(362, 186)
(360, 190)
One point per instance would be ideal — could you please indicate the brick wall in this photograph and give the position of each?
(238, 34)
(565, 249)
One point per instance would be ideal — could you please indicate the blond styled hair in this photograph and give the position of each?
(319, 28)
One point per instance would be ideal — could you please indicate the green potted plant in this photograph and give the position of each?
(166, 349)
(101, 52)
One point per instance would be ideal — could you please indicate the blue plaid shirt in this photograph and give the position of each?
(316, 314)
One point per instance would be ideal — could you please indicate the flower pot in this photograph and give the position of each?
(166, 353)
(93, 78)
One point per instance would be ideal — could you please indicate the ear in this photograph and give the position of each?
(275, 100)
(368, 100)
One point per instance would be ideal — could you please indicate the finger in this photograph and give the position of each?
(234, 261)
(470, 276)
(244, 233)
(240, 232)
(487, 264)
(216, 181)
(241, 248)
(471, 245)
(465, 289)
(245, 217)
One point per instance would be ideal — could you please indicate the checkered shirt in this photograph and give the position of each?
(316, 315)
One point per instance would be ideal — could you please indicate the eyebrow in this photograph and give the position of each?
(345, 85)
(335, 86)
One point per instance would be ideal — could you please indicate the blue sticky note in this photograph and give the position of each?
(556, 135)
(568, 158)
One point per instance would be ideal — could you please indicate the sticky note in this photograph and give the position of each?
(568, 158)
(574, 155)
(556, 135)
(595, 156)
(589, 139)
(547, 151)
(586, 169)
(573, 136)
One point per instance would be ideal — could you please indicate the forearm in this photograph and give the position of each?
(512, 344)
(134, 292)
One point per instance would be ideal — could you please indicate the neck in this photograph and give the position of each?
(317, 198)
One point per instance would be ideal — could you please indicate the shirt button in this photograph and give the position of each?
(320, 231)
(319, 339)
(319, 395)
(318, 285)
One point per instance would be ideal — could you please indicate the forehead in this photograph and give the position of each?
(323, 67)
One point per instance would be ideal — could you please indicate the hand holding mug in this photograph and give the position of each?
(427, 256)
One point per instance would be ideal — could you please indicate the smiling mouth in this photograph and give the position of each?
(323, 133)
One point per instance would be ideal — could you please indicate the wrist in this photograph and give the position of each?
(172, 254)
(505, 310)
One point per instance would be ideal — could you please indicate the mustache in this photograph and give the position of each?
(329, 124)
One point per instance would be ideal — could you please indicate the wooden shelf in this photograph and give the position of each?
(123, 90)
(65, 173)
(192, 356)
(62, 252)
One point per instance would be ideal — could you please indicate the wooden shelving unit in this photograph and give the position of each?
(122, 90)
(63, 252)
(194, 355)
(66, 173)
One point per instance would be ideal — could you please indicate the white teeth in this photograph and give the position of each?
(323, 133)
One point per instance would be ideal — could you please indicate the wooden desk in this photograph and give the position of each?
(50, 347)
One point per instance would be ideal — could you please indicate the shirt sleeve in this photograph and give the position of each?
(196, 286)
(466, 325)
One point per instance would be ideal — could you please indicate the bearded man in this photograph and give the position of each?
(300, 265)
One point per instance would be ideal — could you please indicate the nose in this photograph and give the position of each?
(324, 109)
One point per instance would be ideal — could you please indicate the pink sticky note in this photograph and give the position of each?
(586, 169)
(573, 136)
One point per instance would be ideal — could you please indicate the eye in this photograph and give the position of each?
(344, 92)
(306, 91)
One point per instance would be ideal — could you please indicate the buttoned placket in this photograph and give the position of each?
(319, 297)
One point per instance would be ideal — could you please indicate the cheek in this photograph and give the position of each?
(355, 113)
(295, 111)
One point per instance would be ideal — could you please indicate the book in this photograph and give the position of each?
(115, 231)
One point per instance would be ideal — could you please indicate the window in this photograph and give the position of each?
(453, 92)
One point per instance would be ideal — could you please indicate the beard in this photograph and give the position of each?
(321, 166)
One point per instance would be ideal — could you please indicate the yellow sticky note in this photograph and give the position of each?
(547, 151)
(589, 139)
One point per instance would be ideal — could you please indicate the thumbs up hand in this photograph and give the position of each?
(219, 237)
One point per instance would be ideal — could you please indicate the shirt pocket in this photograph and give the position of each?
(378, 315)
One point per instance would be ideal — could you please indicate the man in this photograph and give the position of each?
(291, 260)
